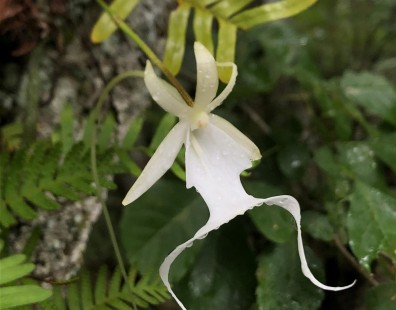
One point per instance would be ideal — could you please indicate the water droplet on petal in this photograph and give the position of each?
(282, 201)
(203, 236)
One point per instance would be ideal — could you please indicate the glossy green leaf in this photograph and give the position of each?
(223, 274)
(373, 92)
(273, 222)
(338, 121)
(226, 48)
(359, 161)
(381, 297)
(282, 285)
(371, 224)
(384, 148)
(164, 217)
(202, 25)
(176, 40)
(293, 160)
(271, 11)
(105, 26)
(317, 225)
(326, 160)
(353, 160)
(14, 296)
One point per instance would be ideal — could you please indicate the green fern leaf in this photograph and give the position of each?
(66, 122)
(34, 177)
(119, 304)
(110, 292)
(14, 296)
(58, 300)
(6, 218)
(86, 291)
(13, 268)
(106, 132)
(88, 129)
(73, 298)
(100, 286)
(115, 282)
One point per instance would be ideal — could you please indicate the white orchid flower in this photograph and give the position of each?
(216, 154)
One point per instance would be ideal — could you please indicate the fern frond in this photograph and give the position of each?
(13, 268)
(110, 292)
(36, 176)
(229, 15)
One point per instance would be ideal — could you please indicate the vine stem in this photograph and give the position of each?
(94, 168)
(148, 51)
(353, 262)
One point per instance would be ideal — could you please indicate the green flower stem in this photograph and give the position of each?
(148, 51)
(105, 92)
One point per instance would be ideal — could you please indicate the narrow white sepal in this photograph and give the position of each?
(164, 94)
(227, 90)
(207, 76)
(290, 204)
(159, 163)
(237, 135)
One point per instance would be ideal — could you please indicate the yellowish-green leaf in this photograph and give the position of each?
(202, 25)
(105, 26)
(201, 3)
(174, 49)
(226, 48)
(271, 11)
(226, 8)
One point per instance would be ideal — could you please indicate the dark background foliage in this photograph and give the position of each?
(315, 92)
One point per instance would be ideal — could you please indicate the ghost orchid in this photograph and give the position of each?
(216, 154)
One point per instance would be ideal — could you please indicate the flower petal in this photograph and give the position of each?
(159, 163)
(238, 136)
(207, 76)
(214, 161)
(164, 94)
(227, 90)
(290, 204)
